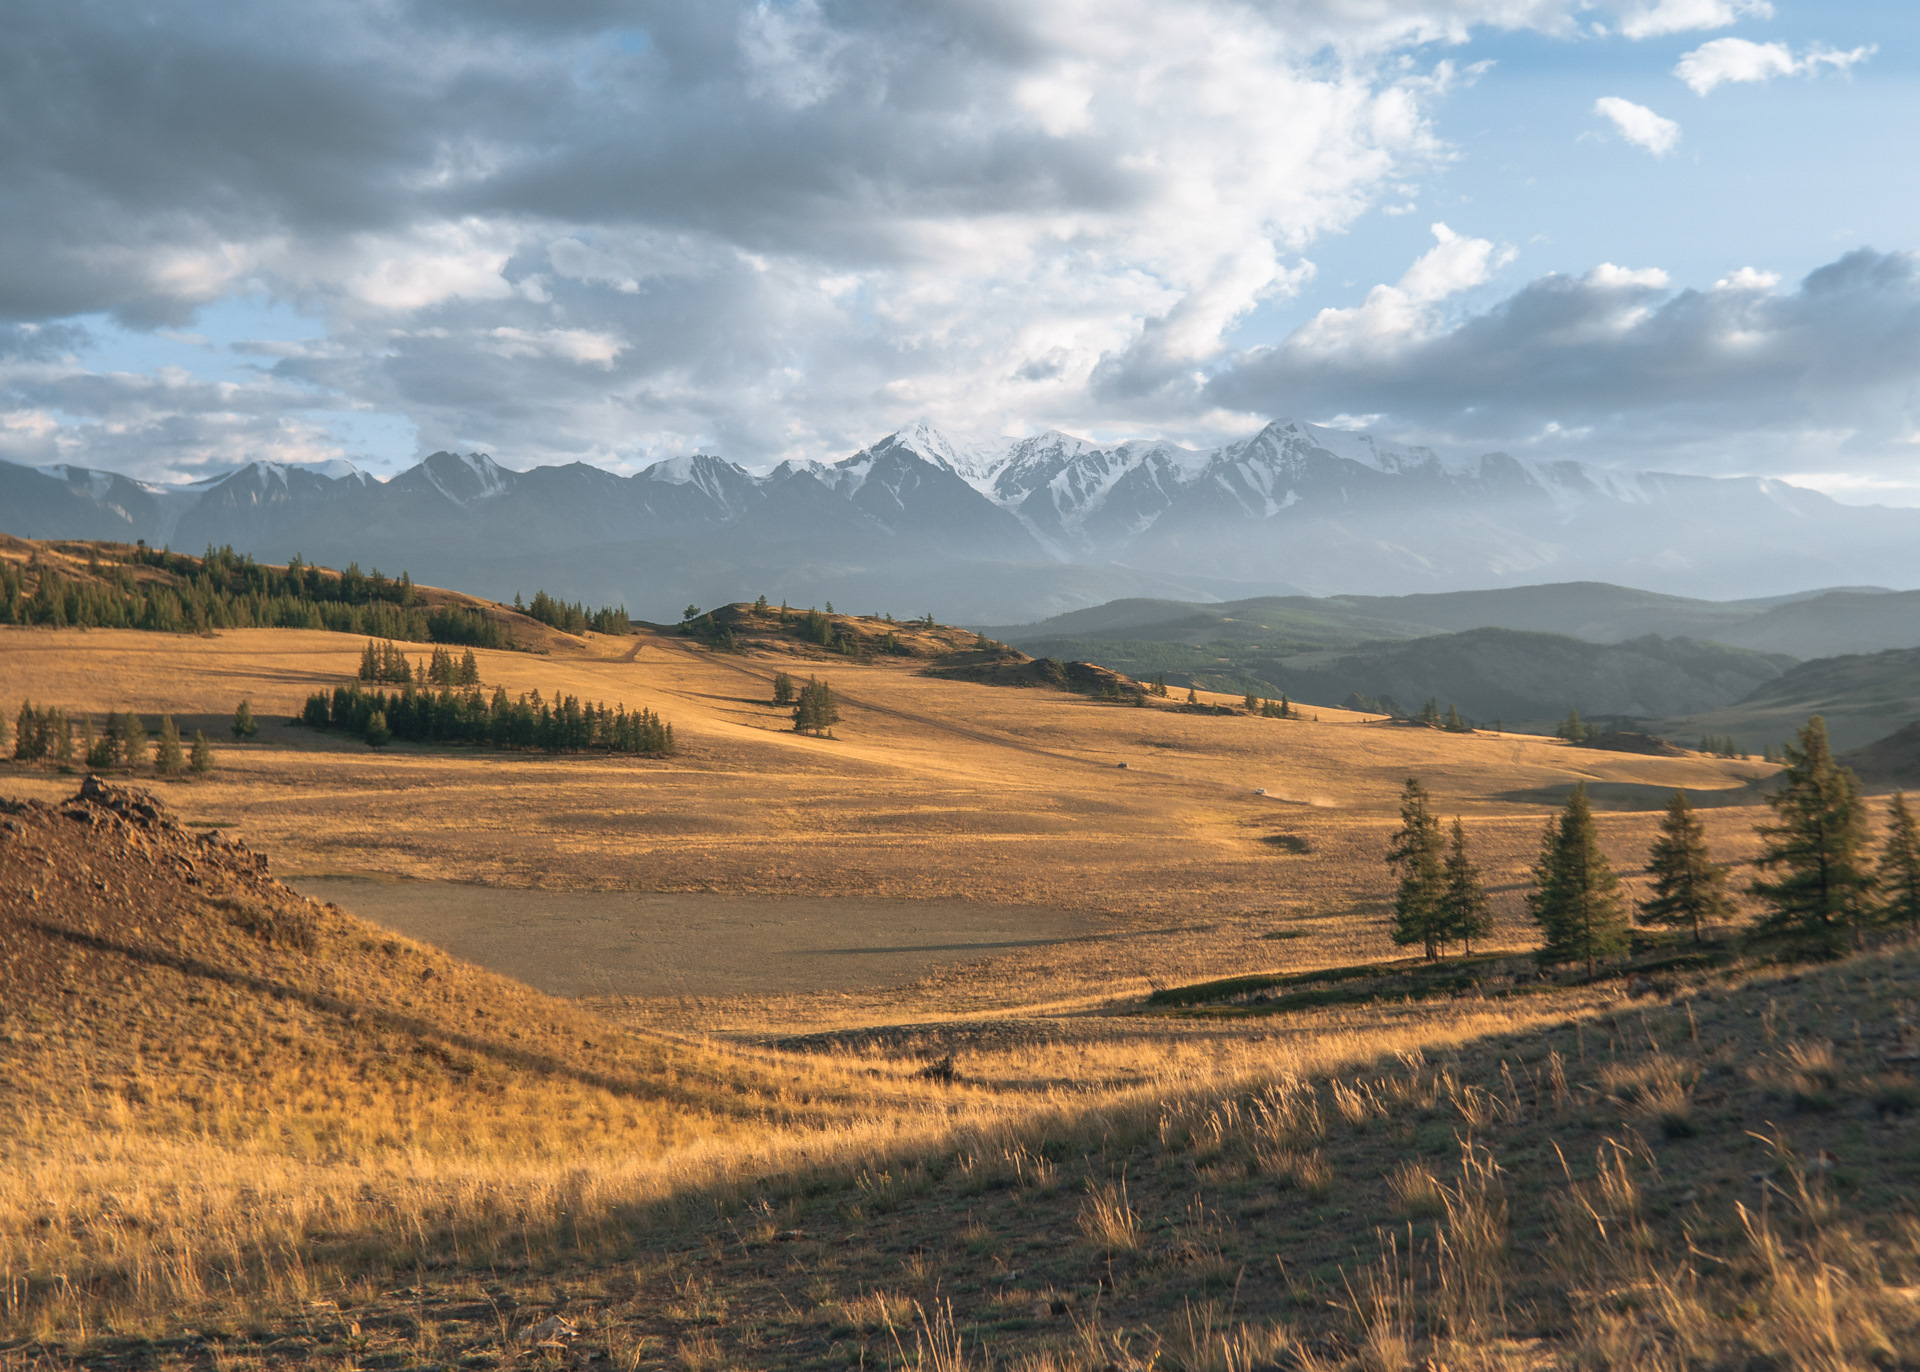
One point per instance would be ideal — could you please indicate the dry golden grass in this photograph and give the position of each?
(231, 1111)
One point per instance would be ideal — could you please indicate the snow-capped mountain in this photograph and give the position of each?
(1009, 530)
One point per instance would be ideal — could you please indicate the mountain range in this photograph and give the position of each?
(1005, 532)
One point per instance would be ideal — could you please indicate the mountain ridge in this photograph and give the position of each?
(1292, 507)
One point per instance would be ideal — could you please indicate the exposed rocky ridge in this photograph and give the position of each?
(1293, 505)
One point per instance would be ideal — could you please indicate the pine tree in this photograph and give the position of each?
(62, 739)
(370, 660)
(378, 735)
(1454, 724)
(1430, 713)
(243, 725)
(202, 754)
(1572, 729)
(1900, 866)
(1818, 846)
(1576, 897)
(1192, 697)
(1414, 855)
(168, 760)
(132, 735)
(1465, 912)
(815, 711)
(1252, 702)
(1689, 887)
(782, 689)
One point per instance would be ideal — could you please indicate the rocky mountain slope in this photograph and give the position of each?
(1012, 531)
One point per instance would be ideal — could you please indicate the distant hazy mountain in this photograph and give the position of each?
(1010, 532)
(1818, 623)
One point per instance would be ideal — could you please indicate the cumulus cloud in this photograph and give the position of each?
(1685, 16)
(615, 229)
(1727, 60)
(1639, 125)
(1616, 365)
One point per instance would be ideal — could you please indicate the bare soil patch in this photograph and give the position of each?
(640, 943)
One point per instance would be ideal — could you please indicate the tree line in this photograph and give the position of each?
(50, 734)
(575, 618)
(384, 662)
(1820, 885)
(226, 590)
(467, 715)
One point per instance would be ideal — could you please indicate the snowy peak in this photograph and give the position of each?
(464, 479)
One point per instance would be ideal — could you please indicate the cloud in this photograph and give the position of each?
(1639, 125)
(1735, 60)
(1615, 365)
(1684, 16)
(613, 229)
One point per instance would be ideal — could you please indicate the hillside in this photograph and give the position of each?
(1525, 680)
(1812, 624)
(1863, 696)
(243, 1129)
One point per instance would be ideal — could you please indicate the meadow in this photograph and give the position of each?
(247, 1129)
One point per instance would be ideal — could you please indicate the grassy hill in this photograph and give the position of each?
(1863, 696)
(241, 1130)
(1814, 624)
(1523, 679)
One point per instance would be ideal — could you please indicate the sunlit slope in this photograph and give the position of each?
(927, 787)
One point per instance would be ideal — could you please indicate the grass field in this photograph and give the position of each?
(247, 1130)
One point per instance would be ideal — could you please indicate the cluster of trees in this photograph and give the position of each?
(49, 734)
(224, 590)
(384, 662)
(1452, 721)
(814, 709)
(1270, 709)
(575, 618)
(1441, 899)
(1820, 884)
(450, 715)
(1721, 745)
(1573, 729)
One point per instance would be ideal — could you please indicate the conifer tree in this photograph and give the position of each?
(132, 737)
(378, 735)
(1454, 723)
(1900, 866)
(1430, 712)
(1818, 848)
(62, 738)
(243, 725)
(168, 760)
(815, 711)
(1576, 897)
(23, 733)
(1192, 697)
(1689, 887)
(1414, 856)
(1252, 702)
(370, 660)
(202, 754)
(1572, 729)
(782, 689)
(1465, 912)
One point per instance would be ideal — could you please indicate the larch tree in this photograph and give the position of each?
(1689, 887)
(168, 758)
(1414, 855)
(1465, 912)
(1576, 899)
(1900, 866)
(1818, 885)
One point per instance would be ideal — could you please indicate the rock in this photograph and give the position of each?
(552, 1332)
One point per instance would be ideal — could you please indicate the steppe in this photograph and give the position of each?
(873, 1076)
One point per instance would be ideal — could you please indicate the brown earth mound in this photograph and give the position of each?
(144, 963)
(1892, 761)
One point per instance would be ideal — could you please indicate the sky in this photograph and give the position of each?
(1678, 235)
